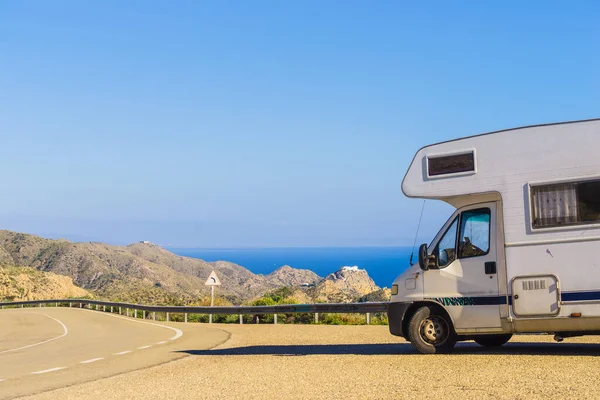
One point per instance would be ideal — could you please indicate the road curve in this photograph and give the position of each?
(48, 348)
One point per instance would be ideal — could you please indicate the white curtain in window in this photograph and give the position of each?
(555, 204)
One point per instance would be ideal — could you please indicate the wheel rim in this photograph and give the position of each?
(434, 330)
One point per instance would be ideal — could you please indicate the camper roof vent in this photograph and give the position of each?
(443, 165)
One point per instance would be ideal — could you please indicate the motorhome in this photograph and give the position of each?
(521, 253)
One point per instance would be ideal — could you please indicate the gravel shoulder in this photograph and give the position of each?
(323, 362)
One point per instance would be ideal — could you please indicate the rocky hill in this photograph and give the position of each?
(288, 276)
(345, 285)
(24, 283)
(140, 272)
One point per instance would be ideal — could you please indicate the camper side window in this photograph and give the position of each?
(564, 204)
(474, 239)
(445, 251)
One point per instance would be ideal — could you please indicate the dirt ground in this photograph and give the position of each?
(312, 361)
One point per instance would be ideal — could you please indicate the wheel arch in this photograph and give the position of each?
(418, 304)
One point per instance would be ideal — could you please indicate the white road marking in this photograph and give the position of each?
(65, 333)
(144, 347)
(162, 342)
(47, 370)
(123, 352)
(177, 335)
(91, 361)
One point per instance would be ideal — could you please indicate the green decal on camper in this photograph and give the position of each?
(455, 301)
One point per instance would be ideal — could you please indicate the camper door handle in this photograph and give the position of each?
(490, 267)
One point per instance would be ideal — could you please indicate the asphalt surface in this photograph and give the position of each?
(47, 348)
(330, 362)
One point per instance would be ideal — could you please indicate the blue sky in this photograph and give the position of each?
(265, 123)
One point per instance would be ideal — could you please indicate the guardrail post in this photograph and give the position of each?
(128, 311)
(241, 319)
(104, 308)
(275, 319)
(185, 318)
(153, 315)
(144, 314)
(119, 310)
(21, 305)
(167, 317)
(135, 313)
(210, 318)
(56, 304)
(368, 318)
(70, 304)
(40, 304)
(316, 318)
(80, 305)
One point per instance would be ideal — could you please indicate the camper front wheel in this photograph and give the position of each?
(430, 331)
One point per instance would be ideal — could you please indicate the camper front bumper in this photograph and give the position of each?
(396, 313)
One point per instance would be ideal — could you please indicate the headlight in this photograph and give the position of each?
(394, 290)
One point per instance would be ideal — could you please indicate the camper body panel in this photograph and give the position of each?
(507, 163)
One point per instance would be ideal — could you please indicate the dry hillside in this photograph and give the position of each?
(24, 283)
(288, 276)
(140, 272)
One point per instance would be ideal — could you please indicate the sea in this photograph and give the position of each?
(383, 264)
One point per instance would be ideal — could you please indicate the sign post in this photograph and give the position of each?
(212, 281)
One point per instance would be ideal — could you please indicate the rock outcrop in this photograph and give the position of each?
(346, 284)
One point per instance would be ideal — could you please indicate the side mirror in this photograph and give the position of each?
(426, 261)
(423, 257)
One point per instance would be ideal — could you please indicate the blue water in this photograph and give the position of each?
(383, 264)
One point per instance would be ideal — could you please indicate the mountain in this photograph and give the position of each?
(146, 273)
(237, 281)
(142, 272)
(288, 276)
(24, 283)
(345, 285)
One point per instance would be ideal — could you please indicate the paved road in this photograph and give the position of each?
(356, 362)
(47, 348)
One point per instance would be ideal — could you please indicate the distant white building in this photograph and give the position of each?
(353, 268)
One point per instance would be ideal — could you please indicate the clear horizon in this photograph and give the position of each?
(266, 125)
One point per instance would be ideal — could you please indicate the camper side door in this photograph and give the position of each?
(465, 279)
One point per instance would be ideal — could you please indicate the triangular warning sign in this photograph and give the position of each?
(213, 280)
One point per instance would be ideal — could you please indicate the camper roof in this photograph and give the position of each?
(501, 162)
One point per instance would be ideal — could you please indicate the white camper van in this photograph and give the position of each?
(521, 253)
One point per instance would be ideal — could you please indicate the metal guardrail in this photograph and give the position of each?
(358, 308)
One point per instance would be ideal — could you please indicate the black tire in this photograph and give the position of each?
(493, 340)
(430, 331)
